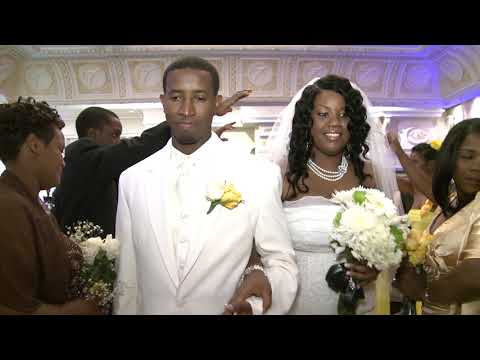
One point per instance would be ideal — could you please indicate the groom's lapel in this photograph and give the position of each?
(158, 207)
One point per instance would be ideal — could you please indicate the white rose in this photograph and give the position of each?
(95, 241)
(111, 247)
(90, 249)
(215, 190)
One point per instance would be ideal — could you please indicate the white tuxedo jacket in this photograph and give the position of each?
(147, 268)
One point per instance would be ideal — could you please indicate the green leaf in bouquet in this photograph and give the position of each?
(349, 256)
(101, 269)
(337, 219)
(398, 236)
(359, 197)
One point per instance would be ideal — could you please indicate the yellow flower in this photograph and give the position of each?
(414, 215)
(421, 218)
(417, 253)
(426, 208)
(418, 256)
(426, 239)
(436, 144)
(413, 239)
(229, 199)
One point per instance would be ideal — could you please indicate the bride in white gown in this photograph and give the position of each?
(324, 151)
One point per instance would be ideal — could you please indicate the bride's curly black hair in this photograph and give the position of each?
(300, 149)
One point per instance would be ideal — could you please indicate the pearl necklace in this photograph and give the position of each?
(329, 175)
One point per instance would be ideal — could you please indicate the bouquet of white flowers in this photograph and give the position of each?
(96, 280)
(366, 228)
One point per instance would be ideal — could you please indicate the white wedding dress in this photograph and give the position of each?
(310, 220)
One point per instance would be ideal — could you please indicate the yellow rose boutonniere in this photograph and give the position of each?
(223, 194)
(436, 144)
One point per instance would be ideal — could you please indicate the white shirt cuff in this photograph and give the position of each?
(257, 304)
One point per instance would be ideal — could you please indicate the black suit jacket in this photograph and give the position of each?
(89, 185)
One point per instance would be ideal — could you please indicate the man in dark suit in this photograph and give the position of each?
(93, 164)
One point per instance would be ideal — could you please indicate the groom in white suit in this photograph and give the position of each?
(177, 256)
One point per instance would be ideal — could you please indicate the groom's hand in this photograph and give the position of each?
(238, 308)
(254, 284)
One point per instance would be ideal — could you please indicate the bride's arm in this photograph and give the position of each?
(273, 242)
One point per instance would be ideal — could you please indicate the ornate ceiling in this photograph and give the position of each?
(425, 76)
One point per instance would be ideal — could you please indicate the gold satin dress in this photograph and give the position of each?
(457, 239)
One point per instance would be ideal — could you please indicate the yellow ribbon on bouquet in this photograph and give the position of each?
(382, 293)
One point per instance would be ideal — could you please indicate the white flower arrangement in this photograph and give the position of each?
(97, 276)
(368, 228)
(92, 246)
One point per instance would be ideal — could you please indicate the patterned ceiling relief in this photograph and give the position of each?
(411, 75)
(418, 79)
(7, 67)
(262, 75)
(308, 69)
(92, 77)
(369, 75)
(221, 64)
(455, 76)
(451, 70)
(145, 76)
(40, 79)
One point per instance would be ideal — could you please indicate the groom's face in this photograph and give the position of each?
(189, 104)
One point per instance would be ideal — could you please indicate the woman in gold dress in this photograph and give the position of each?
(451, 281)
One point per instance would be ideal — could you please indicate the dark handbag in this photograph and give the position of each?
(338, 280)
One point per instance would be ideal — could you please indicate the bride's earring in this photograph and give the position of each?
(308, 145)
(453, 186)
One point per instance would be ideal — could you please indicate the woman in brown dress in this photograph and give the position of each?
(37, 261)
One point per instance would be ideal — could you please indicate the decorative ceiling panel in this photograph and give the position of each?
(432, 75)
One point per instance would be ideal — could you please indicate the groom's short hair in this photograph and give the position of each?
(195, 63)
